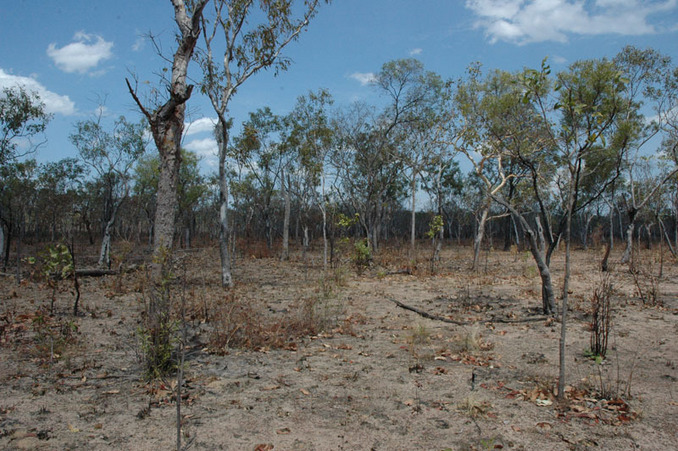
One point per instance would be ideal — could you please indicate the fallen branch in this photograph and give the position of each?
(492, 319)
(98, 272)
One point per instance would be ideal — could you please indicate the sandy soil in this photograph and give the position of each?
(377, 377)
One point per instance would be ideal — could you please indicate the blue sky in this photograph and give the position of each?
(76, 54)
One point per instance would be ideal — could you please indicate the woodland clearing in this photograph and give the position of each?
(294, 359)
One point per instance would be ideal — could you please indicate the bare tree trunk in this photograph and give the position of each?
(222, 141)
(413, 218)
(285, 254)
(480, 233)
(324, 212)
(105, 252)
(566, 287)
(626, 257)
(167, 125)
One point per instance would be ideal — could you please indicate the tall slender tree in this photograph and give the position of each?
(251, 35)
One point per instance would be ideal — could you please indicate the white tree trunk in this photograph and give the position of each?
(285, 254)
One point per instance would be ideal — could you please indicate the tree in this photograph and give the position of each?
(248, 47)
(167, 124)
(22, 117)
(17, 201)
(312, 136)
(418, 114)
(59, 187)
(369, 169)
(112, 157)
(258, 149)
(651, 84)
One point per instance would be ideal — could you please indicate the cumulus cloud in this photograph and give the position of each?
(205, 124)
(54, 103)
(526, 21)
(206, 147)
(363, 78)
(414, 52)
(83, 54)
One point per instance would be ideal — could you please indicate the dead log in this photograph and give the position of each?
(492, 319)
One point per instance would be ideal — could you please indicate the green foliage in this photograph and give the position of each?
(362, 254)
(435, 226)
(57, 262)
(22, 116)
(157, 346)
(346, 222)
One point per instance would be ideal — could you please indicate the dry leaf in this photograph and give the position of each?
(304, 391)
(283, 431)
(73, 428)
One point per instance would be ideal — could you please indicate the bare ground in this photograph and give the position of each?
(372, 376)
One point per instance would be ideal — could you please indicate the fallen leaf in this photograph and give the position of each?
(543, 402)
(304, 391)
(73, 428)
(264, 447)
(283, 431)
(544, 425)
(111, 392)
(270, 387)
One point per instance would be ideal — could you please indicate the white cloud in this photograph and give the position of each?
(201, 125)
(54, 103)
(139, 44)
(206, 147)
(84, 53)
(363, 78)
(525, 21)
(415, 52)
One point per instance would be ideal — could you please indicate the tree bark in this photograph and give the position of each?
(626, 257)
(285, 254)
(222, 141)
(167, 125)
(480, 233)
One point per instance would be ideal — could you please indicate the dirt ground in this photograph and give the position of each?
(372, 376)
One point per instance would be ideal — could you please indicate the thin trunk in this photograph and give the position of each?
(626, 257)
(324, 212)
(105, 251)
(566, 287)
(222, 141)
(413, 217)
(480, 233)
(285, 254)
(20, 238)
(548, 296)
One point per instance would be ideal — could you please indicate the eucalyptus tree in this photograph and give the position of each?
(59, 187)
(22, 118)
(258, 149)
(250, 36)
(496, 125)
(652, 114)
(111, 155)
(166, 120)
(17, 205)
(417, 115)
(312, 136)
(368, 168)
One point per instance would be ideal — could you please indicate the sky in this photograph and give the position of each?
(77, 53)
